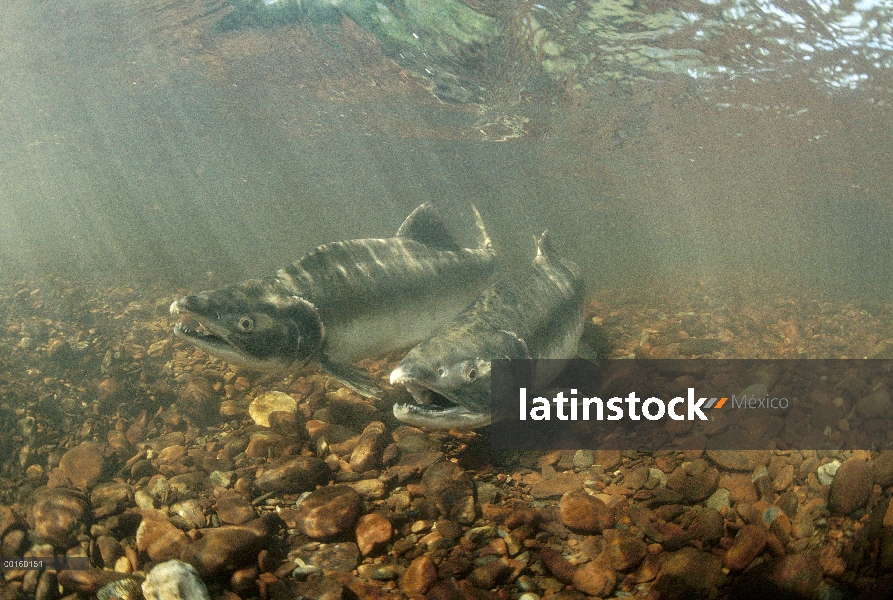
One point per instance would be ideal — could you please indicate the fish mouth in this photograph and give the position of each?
(438, 417)
(435, 408)
(197, 329)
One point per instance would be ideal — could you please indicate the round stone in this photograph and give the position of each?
(264, 405)
(329, 511)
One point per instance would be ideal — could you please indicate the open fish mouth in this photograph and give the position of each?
(195, 328)
(436, 409)
(429, 396)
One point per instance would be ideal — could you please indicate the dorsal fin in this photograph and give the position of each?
(544, 246)
(426, 226)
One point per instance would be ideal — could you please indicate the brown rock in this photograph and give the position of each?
(873, 405)
(171, 454)
(57, 516)
(225, 548)
(521, 516)
(338, 557)
(285, 424)
(490, 575)
(264, 405)
(851, 487)
(689, 573)
(595, 578)
(608, 459)
(292, 475)
(799, 575)
(234, 509)
(87, 581)
(110, 498)
(323, 588)
(739, 460)
(882, 468)
(7, 519)
(420, 575)
(449, 529)
(262, 444)
(367, 453)
(109, 549)
(587, 513)
(47, 586)
(557, 565)
(623, 550)
(329, 511)
(707, 526)
(451, 490)
(13, 542)
(831, 562)
(83, 464)
(749, 542)
(783, 479)
(157, 537)
(558, 485)
(695, 480)
(741, 488)
(373, 531)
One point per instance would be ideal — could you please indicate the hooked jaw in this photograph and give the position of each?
(435, 408)
(205, 334)
(195, 328)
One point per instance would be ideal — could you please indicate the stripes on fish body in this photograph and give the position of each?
(343, 301)
(534, 313)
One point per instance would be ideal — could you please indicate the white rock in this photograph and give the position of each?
(262, 406)
(174, 580)
(826, 472)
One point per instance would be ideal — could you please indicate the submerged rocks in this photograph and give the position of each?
(595, 578)
(174, 580)
(262, 407)
(451, 490)
(851, 487)
(419, 576)
(57, 516)
(695, 480)
(234, 509)
(373, 531)
(586, 513)
(83, 465)
(226, 548)
(749, 542)
(293, 474)
(377, 510)
(159, 538)
(329, 511)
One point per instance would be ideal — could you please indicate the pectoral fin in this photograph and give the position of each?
(351, 376)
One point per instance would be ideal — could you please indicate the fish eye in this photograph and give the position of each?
(246, 323)
(441, 371)
(472, 374)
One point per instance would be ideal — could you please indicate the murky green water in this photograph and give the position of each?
(144, 141)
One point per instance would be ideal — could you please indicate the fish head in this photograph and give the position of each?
(449, 379)
(255, 324)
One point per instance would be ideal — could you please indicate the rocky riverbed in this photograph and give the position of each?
(123, 449)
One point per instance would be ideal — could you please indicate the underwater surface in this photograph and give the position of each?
(719, 170)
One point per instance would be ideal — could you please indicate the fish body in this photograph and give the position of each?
(342, 301)
(534, 313)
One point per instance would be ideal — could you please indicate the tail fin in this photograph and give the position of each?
(484, 241)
